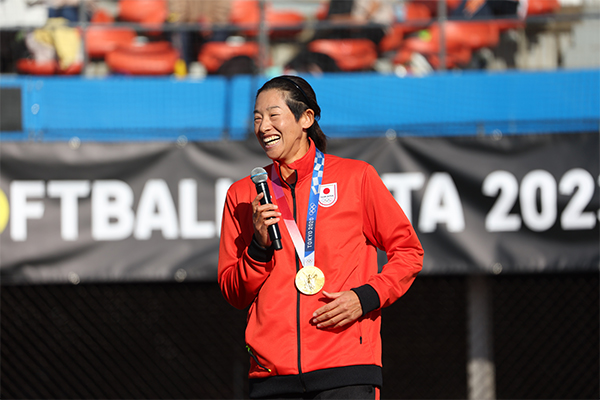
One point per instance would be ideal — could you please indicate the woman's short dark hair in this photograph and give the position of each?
(299, 97)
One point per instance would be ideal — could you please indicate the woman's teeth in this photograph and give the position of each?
(271, 140)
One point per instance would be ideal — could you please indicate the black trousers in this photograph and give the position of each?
(367, 392)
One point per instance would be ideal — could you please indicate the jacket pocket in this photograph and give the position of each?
(256, 360)
(361, 337)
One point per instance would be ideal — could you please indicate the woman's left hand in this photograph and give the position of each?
(344, 308)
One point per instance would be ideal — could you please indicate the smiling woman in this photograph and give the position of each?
(282, 103)
(280, 133)
(313, 326)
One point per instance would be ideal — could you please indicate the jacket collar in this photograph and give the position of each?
(303, 166)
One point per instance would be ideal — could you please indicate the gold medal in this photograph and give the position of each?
(310, 280)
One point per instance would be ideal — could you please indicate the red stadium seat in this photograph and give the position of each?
(243, 11)
(101, 40)
(474, 35)
(322, 11)
(101, 17)
(73, 69)
(537, 7)
(418, 16)
(146, 48)
(151, 12)
(432, 5)
(246, 13)
(349, 54)
(454, 59)
(457, 34)
(393, 39)
(32, 67)
(213, 54)
(146, 59)
(504, 24)
(284, 23)
(461, 38)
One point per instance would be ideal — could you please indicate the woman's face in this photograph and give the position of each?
(280, 135)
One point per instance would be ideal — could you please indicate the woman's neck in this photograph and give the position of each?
(288, 174)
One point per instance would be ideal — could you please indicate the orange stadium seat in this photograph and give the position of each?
(146, 48)
(504, 24)
(417, 16)
(537, 7)
(457, 34)
(101, 16)
(474, 35)
(149, 12)
(213, 54)
(349, 54)
(101, 40)
(32, 67)
(461, 37)
(284, 23)
(246, 13)
(417, 12)
(156, 58)
(454, 59)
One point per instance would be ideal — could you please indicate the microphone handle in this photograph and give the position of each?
(273, 230)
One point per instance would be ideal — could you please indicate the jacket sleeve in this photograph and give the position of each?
(243, 264)
(386, 226)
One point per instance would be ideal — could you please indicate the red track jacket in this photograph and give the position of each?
(289, 354)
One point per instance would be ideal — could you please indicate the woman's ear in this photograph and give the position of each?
(308, 118)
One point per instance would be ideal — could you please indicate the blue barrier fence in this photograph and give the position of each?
(120, 108)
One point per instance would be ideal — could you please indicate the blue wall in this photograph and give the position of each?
(354, 105)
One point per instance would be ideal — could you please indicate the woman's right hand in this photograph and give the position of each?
(263, 216)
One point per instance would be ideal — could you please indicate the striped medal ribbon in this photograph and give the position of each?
(309, 279)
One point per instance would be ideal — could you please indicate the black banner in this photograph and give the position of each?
(73, 212)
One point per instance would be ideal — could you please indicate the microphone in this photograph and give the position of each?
(259, 177)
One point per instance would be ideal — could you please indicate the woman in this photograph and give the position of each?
(314, 308)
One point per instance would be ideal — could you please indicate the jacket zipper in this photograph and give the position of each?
(293, 192)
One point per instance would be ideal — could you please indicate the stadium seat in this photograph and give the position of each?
(213, 54)
(284, 23)
(416, 13)
(432, 5)
(349, 54)
(417, 16)
(474, 35)
(73, 69)
(149, 12)
(101, 16)
(454, 59)
(537, 7)
(461, 38)
(146, 48)
(101, 40)
(457, 34)
(33, 67)
(246, 14)
(393, 39)
(322, 11)
(156, 58)
(504, 24)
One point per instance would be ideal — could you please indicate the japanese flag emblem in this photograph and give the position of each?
(328, 195)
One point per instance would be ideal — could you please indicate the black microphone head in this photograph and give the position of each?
(258, 175)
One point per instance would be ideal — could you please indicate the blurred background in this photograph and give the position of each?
(123, 123)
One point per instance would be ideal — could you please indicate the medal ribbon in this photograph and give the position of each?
(305, 251)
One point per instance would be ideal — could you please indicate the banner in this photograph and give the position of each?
(80, 212)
